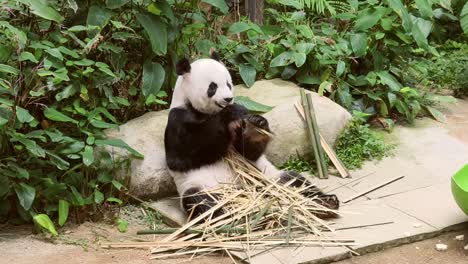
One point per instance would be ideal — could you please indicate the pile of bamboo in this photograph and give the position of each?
(258, 213)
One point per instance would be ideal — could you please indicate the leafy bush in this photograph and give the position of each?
(358, 143)
(354, 54)
(447, 71)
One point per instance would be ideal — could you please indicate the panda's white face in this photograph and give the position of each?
(208, 86)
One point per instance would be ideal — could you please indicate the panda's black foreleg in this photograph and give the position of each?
(329, 201)
(196, 202)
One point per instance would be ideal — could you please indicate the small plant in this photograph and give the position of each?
(299, 164)
(122, 224)
(153, 219)
(358, 143)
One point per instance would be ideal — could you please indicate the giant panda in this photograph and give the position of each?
(203, 123)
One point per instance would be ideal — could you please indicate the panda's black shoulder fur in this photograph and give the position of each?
(193, 139)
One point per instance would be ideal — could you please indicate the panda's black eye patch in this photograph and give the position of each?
(212, 89)
(230, 87)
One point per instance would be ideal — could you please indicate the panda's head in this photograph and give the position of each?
(206, 84)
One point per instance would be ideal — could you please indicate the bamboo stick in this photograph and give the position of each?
(317, 134)
(310, 130)
(327, 148)
(378, 186)
(192, 231)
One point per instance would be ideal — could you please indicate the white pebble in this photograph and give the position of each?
(417, 247)
(417, 225)
(441, 247)
(460, 237)
(466, 247)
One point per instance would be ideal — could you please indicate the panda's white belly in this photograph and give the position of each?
(206, 177)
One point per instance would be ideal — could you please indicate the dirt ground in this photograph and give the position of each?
(422, 252)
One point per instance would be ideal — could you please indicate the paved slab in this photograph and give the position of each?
(433, 205)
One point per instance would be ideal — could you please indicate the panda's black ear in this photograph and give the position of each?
(183, 66)
(214, 55)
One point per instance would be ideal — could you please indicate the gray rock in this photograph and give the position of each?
(145, 134)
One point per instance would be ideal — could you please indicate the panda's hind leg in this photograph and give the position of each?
(329, 201)
(196, 202)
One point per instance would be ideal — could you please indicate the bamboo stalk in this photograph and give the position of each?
(327, 148)
(378, 186)
(311, 133)
(316, 135)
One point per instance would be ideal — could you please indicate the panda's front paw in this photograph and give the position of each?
(259, 121)
(329, 201)
(234, 112)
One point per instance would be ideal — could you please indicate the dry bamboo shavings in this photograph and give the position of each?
(258, 213)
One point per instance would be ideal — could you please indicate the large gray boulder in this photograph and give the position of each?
(150, 178)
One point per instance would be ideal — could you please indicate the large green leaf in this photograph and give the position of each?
(118, 143)
(26, 195)
(324, 86)
(464, 18)
(44, 221)
(283, 59)
(98, 16)
(113, 4)
(8, 69)
(42, 9)
(421, 30)
(63, 208)
(103, 124)
(238, 27)
(30, 145)
(157, 32)
(220, 4)
(247, 73)
(401, 11)
(368, 19)
(88, 156)
(23, 115)
(299, 59)
(424, 7)
(153, 78)
(388, 79)
(252, 105)
(359, 44)
(439, 116)
(55, 115)
(28, 56)
(340, 68)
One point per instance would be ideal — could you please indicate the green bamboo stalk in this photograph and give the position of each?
(317, 135)
(311, 133)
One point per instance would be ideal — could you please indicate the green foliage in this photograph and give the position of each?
(62, 81)
(358, 143)
(299, 164)
(354, 54)
(447, 71)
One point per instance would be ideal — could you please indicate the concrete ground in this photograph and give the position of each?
(417, 207)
